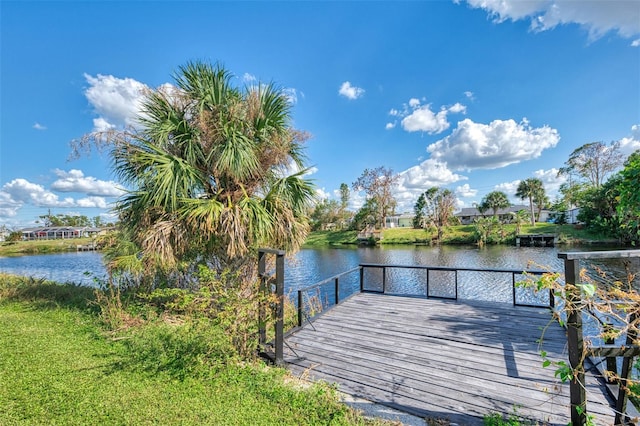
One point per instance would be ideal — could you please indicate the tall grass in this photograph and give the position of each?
(61, 364)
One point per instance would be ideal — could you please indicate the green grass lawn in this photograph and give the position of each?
(58, 366)
(11, 248)
(459, 234)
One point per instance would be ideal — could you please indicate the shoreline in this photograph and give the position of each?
(459, 235)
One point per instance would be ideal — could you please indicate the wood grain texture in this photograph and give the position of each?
(443, 359)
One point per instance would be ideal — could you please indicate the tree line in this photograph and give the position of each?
(599, 183)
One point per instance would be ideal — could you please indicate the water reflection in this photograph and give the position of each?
(312, 265)
(77, 267)
(309, 266)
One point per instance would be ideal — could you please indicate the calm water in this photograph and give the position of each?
(77, 267)
(313, 265)
(309, 266)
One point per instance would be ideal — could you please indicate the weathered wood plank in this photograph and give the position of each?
(414, 354)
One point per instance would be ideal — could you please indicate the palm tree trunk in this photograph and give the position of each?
(533, 216)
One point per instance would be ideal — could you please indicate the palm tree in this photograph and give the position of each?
(530, 188)
(208, 169)
(519, 217)
(495, 201)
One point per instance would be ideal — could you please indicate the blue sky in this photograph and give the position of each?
(469, 95)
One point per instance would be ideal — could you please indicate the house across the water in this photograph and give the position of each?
(60, 232)
(468, 215)
(404, 220)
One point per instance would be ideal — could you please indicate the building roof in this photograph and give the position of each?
(472, 211)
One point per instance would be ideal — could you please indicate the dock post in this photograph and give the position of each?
(279, 309)
(262, 329)
(576, 344)
(278, 306)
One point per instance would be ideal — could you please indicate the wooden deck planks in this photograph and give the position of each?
(441, 358)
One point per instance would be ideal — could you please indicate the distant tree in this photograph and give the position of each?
(484, 228)
(532, 189)
(519, 218)
(571, 192)
(64, 220)
(494, 201)
(366, 216)
(344, 195)
(598, 208)
(326, 213)
(419, 212)
(594, 162)
(559, 208)
(439, 205)
(629, 198)
(15, 236)
(377, 185)
(97, 222)
(541, 200)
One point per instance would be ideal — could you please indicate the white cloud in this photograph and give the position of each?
(597, 17)
(469, 95)
(630, 144)
(8, 206)
(21, 192)
(39, 126)
(635, 43)
(321, 194)
(76, 181)
(422, 119)
(292, 169)
(551, 181)
(489, 146)
(102, 125)
(311, 170)
(419, 117)
(116, 101)
(390, 126)
(457, 108)
(97, 202)
(465, 191)
(427, 174)
(350, 92)
(549, 178)
(509, 188)
(417, 179)
(249, 78)
(291, 94)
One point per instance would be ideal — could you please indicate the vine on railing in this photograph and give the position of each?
(609, 306)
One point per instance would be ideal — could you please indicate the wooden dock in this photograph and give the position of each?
(442, 359)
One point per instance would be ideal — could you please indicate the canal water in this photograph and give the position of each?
(309, 266)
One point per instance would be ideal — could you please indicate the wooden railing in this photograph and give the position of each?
(455, 270)
(335, 282)
(576, 344)
(574, 317)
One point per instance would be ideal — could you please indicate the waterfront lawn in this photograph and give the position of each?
(459, 234)
(15, 248)
(58, 365)
(331, 238)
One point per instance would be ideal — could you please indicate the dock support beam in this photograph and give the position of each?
(278, 307)
(575, 343)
